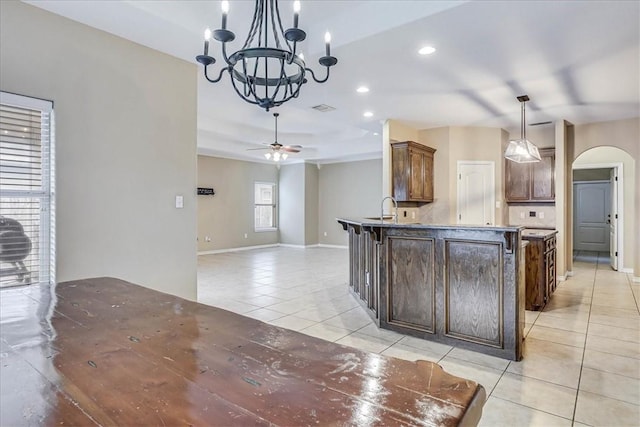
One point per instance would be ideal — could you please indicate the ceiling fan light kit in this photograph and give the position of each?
(266, 71)
(278, 151)
(522, 150)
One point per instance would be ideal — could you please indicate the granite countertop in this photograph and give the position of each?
(537, 233)
(375, 222)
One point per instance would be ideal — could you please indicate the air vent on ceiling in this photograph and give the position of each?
(323, 108)
(540, 123)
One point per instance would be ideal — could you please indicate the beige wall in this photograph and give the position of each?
(455, 144)
(347, 190)
(292, 204)
(438, 212)
(311, 194)
(228, 215)
(125, 147)
(564, 197)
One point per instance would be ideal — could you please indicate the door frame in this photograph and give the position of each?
(492, 166)
(619, 167)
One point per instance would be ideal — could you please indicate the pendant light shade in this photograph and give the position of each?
(522, 150)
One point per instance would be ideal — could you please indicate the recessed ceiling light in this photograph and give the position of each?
(376, 134)
(368, 114)
(362, 89)
(427, 50)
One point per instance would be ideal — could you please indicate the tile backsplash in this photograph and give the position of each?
(545, 215)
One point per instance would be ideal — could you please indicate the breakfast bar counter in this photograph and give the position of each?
(458, 285)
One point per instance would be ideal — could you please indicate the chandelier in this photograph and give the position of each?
(522, 150)
(267, 71)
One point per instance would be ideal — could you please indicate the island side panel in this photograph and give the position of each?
(363, 267)
(411, 287)
(480, 313)
(473, 289)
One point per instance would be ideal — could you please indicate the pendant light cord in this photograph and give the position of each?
(522, 126)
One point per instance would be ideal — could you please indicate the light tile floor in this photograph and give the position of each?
(581, 361)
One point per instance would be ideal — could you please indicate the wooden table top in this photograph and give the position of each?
(107, 352)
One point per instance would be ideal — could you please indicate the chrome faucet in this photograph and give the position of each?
(395, 204)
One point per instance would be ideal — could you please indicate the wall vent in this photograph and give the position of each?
(323, 108)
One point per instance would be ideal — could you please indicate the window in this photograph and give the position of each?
(265, 206)
(26, 189)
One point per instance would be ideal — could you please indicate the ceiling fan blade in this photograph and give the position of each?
(263, 148)
(292, 148)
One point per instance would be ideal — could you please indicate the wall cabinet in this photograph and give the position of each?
(540, 276)
(412, 172)
(531, 182)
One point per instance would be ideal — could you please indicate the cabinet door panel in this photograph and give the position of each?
(517, 181)
(542, 179)
(411, 286)
(417, 173)
(473, 288)
(427, 178)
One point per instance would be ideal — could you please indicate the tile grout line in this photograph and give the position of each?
(584, 350)
(535, 409)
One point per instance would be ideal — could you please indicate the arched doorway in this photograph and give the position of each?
(607, 202)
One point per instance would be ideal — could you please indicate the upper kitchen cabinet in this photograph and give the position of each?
(412, 172)
(531, 182)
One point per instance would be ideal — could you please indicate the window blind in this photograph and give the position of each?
(265, 206)
(25, 190)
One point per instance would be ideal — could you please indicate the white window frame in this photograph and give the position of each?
(47, 235)
(273, 204)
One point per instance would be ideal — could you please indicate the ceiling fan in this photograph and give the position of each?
(278, 151)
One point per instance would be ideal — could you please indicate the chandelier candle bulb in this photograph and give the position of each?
(207, 37)
(296, 13)
(327, 43)
(225, 11)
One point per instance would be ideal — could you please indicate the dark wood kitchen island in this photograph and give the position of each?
(459, 285)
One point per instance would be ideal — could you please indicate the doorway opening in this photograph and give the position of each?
(597, 213)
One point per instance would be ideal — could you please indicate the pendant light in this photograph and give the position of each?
(522, 150)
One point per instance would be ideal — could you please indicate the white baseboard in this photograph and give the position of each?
(273, 245)
(242, 248)
(626, 270)
(636, 279)
(564, 278)
(317, 245)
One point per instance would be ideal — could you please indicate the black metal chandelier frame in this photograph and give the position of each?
(248, 68)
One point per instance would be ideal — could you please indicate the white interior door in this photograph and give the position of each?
(592, 201)
(613, 220)
(476, 193)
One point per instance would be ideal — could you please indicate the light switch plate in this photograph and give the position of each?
(179, 202)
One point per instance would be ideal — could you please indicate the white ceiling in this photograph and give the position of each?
(577, 60)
